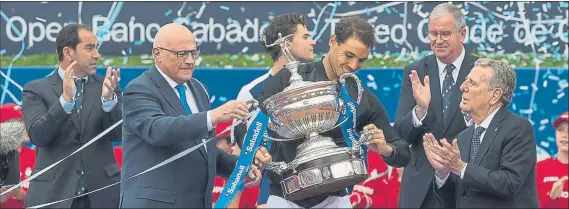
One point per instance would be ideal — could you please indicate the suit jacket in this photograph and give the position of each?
(503, 172)
(156, 127)
(419, 174)
(57, 134)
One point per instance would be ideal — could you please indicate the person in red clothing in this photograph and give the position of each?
(381, 189)
(552, 172)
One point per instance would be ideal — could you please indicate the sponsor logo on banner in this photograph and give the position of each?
(233, 27)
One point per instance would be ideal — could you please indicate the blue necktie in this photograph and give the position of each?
(182, 91)
(79, 84)
(447, 91)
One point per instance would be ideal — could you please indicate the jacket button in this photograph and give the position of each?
(464, 197)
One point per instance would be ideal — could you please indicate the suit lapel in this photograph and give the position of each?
(456, 96)
(166, 91)
(464, 147)
(57, 86)
(90, 95)
(201, 107)
(436, 97)
(464, 143)
(490, 134)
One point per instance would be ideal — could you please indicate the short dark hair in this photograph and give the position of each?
(354, 26)
(284, 24)
(68, 36)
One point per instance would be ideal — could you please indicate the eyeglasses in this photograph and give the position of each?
(434, 35)
(183, 54)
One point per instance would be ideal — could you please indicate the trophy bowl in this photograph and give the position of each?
(320, 166)
(298, 112)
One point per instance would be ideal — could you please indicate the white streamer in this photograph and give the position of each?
(56, 163)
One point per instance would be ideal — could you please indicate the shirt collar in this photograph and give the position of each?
(486, 123)
(61, 74)
(171, 82)
(457, 62)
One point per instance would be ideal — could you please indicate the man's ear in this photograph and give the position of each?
(68, 53)
(496, 96)
(333, 41)
(155, 53)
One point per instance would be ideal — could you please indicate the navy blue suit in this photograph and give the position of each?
(156, 127)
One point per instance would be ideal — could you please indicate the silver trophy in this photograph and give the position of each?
(302, 111)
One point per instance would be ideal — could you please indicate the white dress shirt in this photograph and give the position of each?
(189, 97)
(442, 74)
(484, 124)
(68, 106)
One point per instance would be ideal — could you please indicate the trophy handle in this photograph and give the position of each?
(254, 104)
(358, 82)
(278, 167)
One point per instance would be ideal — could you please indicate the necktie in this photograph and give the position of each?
(475, 142)
(182, 91)
(79, 84)
(447, 90)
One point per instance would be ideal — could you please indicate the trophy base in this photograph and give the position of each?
(323, 175)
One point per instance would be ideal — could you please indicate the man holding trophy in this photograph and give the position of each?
(317, 153)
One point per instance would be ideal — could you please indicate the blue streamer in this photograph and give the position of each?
(253, 140)
(18, 55)
(264, 189)
(349, 127)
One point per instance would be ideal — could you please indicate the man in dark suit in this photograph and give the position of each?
(432, 106)
(64, 111)
(166, 111)
(493, 161)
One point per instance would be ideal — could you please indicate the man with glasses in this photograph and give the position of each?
(166, 111)
(432, 106)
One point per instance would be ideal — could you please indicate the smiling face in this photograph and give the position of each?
(445, 39)
(346, 57)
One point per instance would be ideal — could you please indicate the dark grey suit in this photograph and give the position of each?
(57, 134)
(503, 172)
(156, 127)
(416, 190)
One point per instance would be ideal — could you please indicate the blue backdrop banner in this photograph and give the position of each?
(127, 28)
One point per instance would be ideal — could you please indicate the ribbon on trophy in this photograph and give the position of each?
(253, 139)
(350, 113)
(264, 186)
